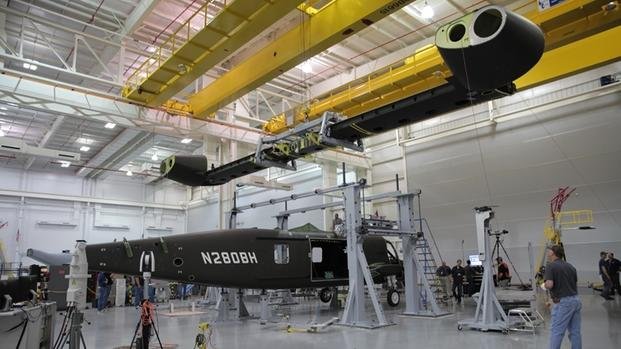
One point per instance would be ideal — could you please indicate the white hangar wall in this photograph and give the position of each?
(518, 165)
(57, 209)
(204, 216)
(571, 139)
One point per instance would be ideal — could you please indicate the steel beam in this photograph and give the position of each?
(50, 132)
(133, 21)
(233, 27)
(331, 25)
(63, 99)
(93, 200)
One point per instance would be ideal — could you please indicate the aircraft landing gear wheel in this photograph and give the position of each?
(393, 298)
(505, 331)
(325, 294)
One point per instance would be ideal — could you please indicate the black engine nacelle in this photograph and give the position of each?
(186, 169)
(489, 48)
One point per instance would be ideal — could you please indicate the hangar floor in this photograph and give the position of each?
(601, 328)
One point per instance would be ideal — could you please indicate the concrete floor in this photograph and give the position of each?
(601, 328)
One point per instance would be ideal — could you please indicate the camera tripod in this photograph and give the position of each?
(496, 252)
(147, 323)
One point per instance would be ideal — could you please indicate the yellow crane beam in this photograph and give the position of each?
(198, 45)
(578, 56)
(335, 22)
(577, 38)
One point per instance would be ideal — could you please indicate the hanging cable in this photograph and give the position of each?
(476, 129)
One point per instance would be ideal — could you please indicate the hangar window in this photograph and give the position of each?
(281, 254)
(317, 254)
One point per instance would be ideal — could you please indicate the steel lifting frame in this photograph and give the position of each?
(295, 143)
(412, 267)
(359, 274)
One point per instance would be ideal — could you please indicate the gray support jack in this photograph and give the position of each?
(412, 268)
(489, 314)
(242, 311)
(283, 222)
(211, 295)
(223, 305)
(266, 312)
(334, 302)
(355, 313)
(287, 298)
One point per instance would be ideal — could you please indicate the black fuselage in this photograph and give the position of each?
(243, 258)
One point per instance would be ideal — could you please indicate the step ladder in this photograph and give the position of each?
(426, 258)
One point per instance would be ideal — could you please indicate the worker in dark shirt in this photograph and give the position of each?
(444, 273)
(458, 281)
(469, 273)
(604, 272)
(562, 281)
(504, 276)
(614, 265)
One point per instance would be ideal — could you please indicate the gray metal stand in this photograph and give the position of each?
(419, 301)
(222, 306)
(266, 312)
(355, 307)
(489, 315)
(242, 311)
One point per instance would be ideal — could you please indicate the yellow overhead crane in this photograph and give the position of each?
(198, 45)
(580, 35)
(333, 23)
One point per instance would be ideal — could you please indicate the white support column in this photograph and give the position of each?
(402, 133)
(3, 37)
(328, 175)
(20, 230)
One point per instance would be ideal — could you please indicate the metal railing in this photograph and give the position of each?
(193, 25)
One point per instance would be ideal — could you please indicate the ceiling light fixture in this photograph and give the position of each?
(151, 49)
(2, 134)
(306, 67)
(154, 157)
(129, 173)
(30, 66)
(186, 140)
(65, 164)
(3, 108)
(84, 140)
(427, 11)
(110, 125)
(85, 148)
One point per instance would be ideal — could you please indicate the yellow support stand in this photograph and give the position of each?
(203, 338)
(573, 218)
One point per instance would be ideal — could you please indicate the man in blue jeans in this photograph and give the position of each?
(562, 282)
(104, 283)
